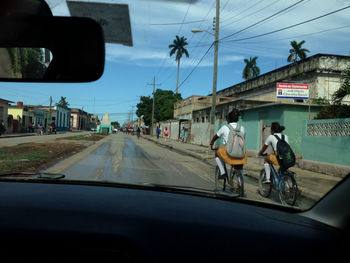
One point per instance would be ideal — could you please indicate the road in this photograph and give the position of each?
(126, 159)
(6, 141)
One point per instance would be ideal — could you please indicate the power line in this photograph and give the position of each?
(303, 35)
(241, 12)
(193, 35)
(253, 13)
(240, 31)
(199, 62)
(288, 27)
(176, 24)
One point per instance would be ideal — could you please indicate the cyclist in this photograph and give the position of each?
(276, 129)
(221, 156)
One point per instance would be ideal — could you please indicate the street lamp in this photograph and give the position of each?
(198, 30)
(215, 71)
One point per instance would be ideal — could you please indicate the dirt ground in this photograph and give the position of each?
(33, 157)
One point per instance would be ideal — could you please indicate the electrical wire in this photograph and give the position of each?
(199, 62)
(288, 27)
(240, 31)
(253, 13)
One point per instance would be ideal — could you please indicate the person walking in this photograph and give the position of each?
(158, 132)
(166, 133)
(182, 135)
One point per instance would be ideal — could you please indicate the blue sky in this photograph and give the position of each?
(129, 69)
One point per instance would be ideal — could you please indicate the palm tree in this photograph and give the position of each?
(251, 70)
(297, 51)
(178, 46)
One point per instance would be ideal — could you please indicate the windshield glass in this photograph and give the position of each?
(176, 73)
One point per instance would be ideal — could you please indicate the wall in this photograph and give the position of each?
(290, 116)
(200, 133)
(327, 141)
(174, 130)
(294, 118)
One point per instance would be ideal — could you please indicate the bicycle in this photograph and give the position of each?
(282, 181)
(234, 179)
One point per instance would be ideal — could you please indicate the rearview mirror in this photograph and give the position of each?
(51, 49)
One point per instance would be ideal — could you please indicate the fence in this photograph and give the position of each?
(327, 141)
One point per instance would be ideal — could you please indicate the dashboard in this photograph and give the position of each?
(78, 222)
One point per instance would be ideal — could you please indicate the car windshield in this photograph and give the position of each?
(248, 99)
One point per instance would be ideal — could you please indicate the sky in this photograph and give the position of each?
(154, 24)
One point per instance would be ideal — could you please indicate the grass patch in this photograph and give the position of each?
(33, 157)
(90, 137)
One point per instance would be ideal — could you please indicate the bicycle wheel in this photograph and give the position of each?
(288, 190)
(264, 189)
(236, 182)
(219, 184)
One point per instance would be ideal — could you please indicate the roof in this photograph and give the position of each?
(5, 101)
(282, 68)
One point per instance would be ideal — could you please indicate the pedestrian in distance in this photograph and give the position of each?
(2, 127)
(166, 133)
(182, 134)
(158, 132)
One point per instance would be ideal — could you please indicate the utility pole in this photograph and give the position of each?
(215, 72)
(154, 87)
(50, 119)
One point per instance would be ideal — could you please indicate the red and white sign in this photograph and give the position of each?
(292, 91)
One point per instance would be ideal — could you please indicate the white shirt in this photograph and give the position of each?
(272, 140)
(224, 131)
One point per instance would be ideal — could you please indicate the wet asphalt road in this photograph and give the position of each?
(141, 162)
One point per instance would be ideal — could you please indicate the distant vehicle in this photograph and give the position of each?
(115, 130)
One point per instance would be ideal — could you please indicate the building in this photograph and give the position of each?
(258, 102)
(4, 104)
(322, 73)
(105, 126)
(19, 117)
(183, 109)
(79, 120)
(63, 118)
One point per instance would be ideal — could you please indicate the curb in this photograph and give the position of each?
(16, 136)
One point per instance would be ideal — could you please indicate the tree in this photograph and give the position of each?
(251, 70)
(334, 112)
(297, 51)
(115, 124)
(63, 102)
(164, 106)
(178, 46)
(344, 89)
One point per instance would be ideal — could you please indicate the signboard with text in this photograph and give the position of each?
(292, 91)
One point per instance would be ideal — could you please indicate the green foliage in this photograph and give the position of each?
(297, 51)
(344, 89)
(21, 57)
(115, 124)
(251, 70)
(163, 106)
(63, 102)
(320, 101)
(178, 47)
(334, 112)
(14, 60)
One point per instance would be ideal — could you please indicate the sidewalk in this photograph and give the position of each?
(312, 185)
(24, 134)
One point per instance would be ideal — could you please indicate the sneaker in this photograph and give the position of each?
(266, 182)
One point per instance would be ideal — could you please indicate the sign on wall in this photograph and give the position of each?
(292, 91)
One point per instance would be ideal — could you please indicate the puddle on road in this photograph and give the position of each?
(96, 166)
